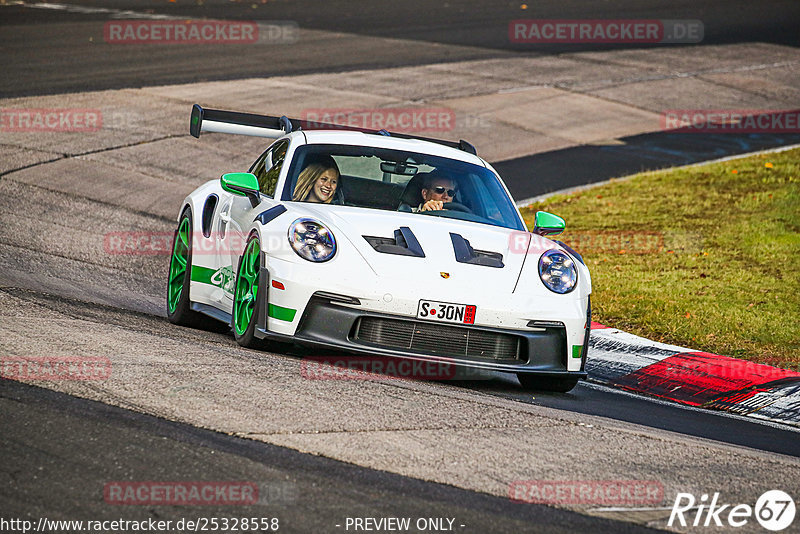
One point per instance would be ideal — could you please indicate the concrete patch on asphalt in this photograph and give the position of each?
(109, 184)
(541, 109)
(118, 118)
(184, 163)
(780, 83)
(508, 107)
(688, 93)
(13, 157)
(660, 62)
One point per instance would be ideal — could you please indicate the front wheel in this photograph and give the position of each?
(245, 297)
(561, 384)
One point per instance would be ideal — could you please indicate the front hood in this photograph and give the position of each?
(434, 236)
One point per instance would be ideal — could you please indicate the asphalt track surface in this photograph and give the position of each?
(98, 443)
(603, 401)
(60, 57)
(59, 449)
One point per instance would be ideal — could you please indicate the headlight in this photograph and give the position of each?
(557, 271)
(312, 240)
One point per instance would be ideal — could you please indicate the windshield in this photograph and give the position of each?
(396, 180)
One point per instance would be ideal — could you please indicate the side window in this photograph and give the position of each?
(268, 167)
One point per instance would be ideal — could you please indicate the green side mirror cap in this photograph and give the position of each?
(242, 183)
(548, 224)
(239, 183)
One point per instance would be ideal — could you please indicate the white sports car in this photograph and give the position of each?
(378, 244)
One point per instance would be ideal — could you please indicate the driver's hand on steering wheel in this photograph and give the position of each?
(433, 205)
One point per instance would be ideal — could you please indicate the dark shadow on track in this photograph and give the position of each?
(571, 167)
(59, 452)
(606, 402)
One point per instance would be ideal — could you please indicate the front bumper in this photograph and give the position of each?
(327, 324)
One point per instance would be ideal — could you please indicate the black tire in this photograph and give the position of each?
(182, 314)
(561, 384)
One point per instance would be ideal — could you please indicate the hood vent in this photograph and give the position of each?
(404, 243)
(466, 254)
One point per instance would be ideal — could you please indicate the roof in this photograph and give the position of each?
(355, 138)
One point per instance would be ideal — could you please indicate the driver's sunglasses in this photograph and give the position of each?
(450, 192)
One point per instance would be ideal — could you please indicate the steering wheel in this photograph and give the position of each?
(455, 206)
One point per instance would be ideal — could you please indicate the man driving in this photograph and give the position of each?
(436, 190)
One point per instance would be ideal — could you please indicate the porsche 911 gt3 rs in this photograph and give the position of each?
(360, 264)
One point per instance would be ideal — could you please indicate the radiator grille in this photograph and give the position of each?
(437, 339)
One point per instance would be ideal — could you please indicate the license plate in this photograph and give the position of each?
(446, 312)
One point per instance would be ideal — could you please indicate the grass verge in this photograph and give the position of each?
(706, 257)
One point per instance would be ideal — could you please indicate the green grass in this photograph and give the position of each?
(706, 257)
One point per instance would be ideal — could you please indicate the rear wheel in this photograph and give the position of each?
(245, 297)
(179, 310)
(561, 384)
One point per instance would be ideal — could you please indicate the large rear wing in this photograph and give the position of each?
(234, 122)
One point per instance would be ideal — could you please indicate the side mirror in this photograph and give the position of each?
(548, 224)
(242, 183)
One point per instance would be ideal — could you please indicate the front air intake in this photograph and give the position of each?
(437, 339)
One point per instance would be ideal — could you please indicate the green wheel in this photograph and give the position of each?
(245, 297)
(178, 263)
(179, 310)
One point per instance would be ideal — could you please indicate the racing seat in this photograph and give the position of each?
(412, 194)
(339, 194)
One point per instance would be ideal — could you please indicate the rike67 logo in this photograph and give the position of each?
(774, 510)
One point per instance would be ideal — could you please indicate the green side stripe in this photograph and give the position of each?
(202, 274)
(284, 314)
(577, 350)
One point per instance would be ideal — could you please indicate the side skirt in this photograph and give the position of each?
(212, 312)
